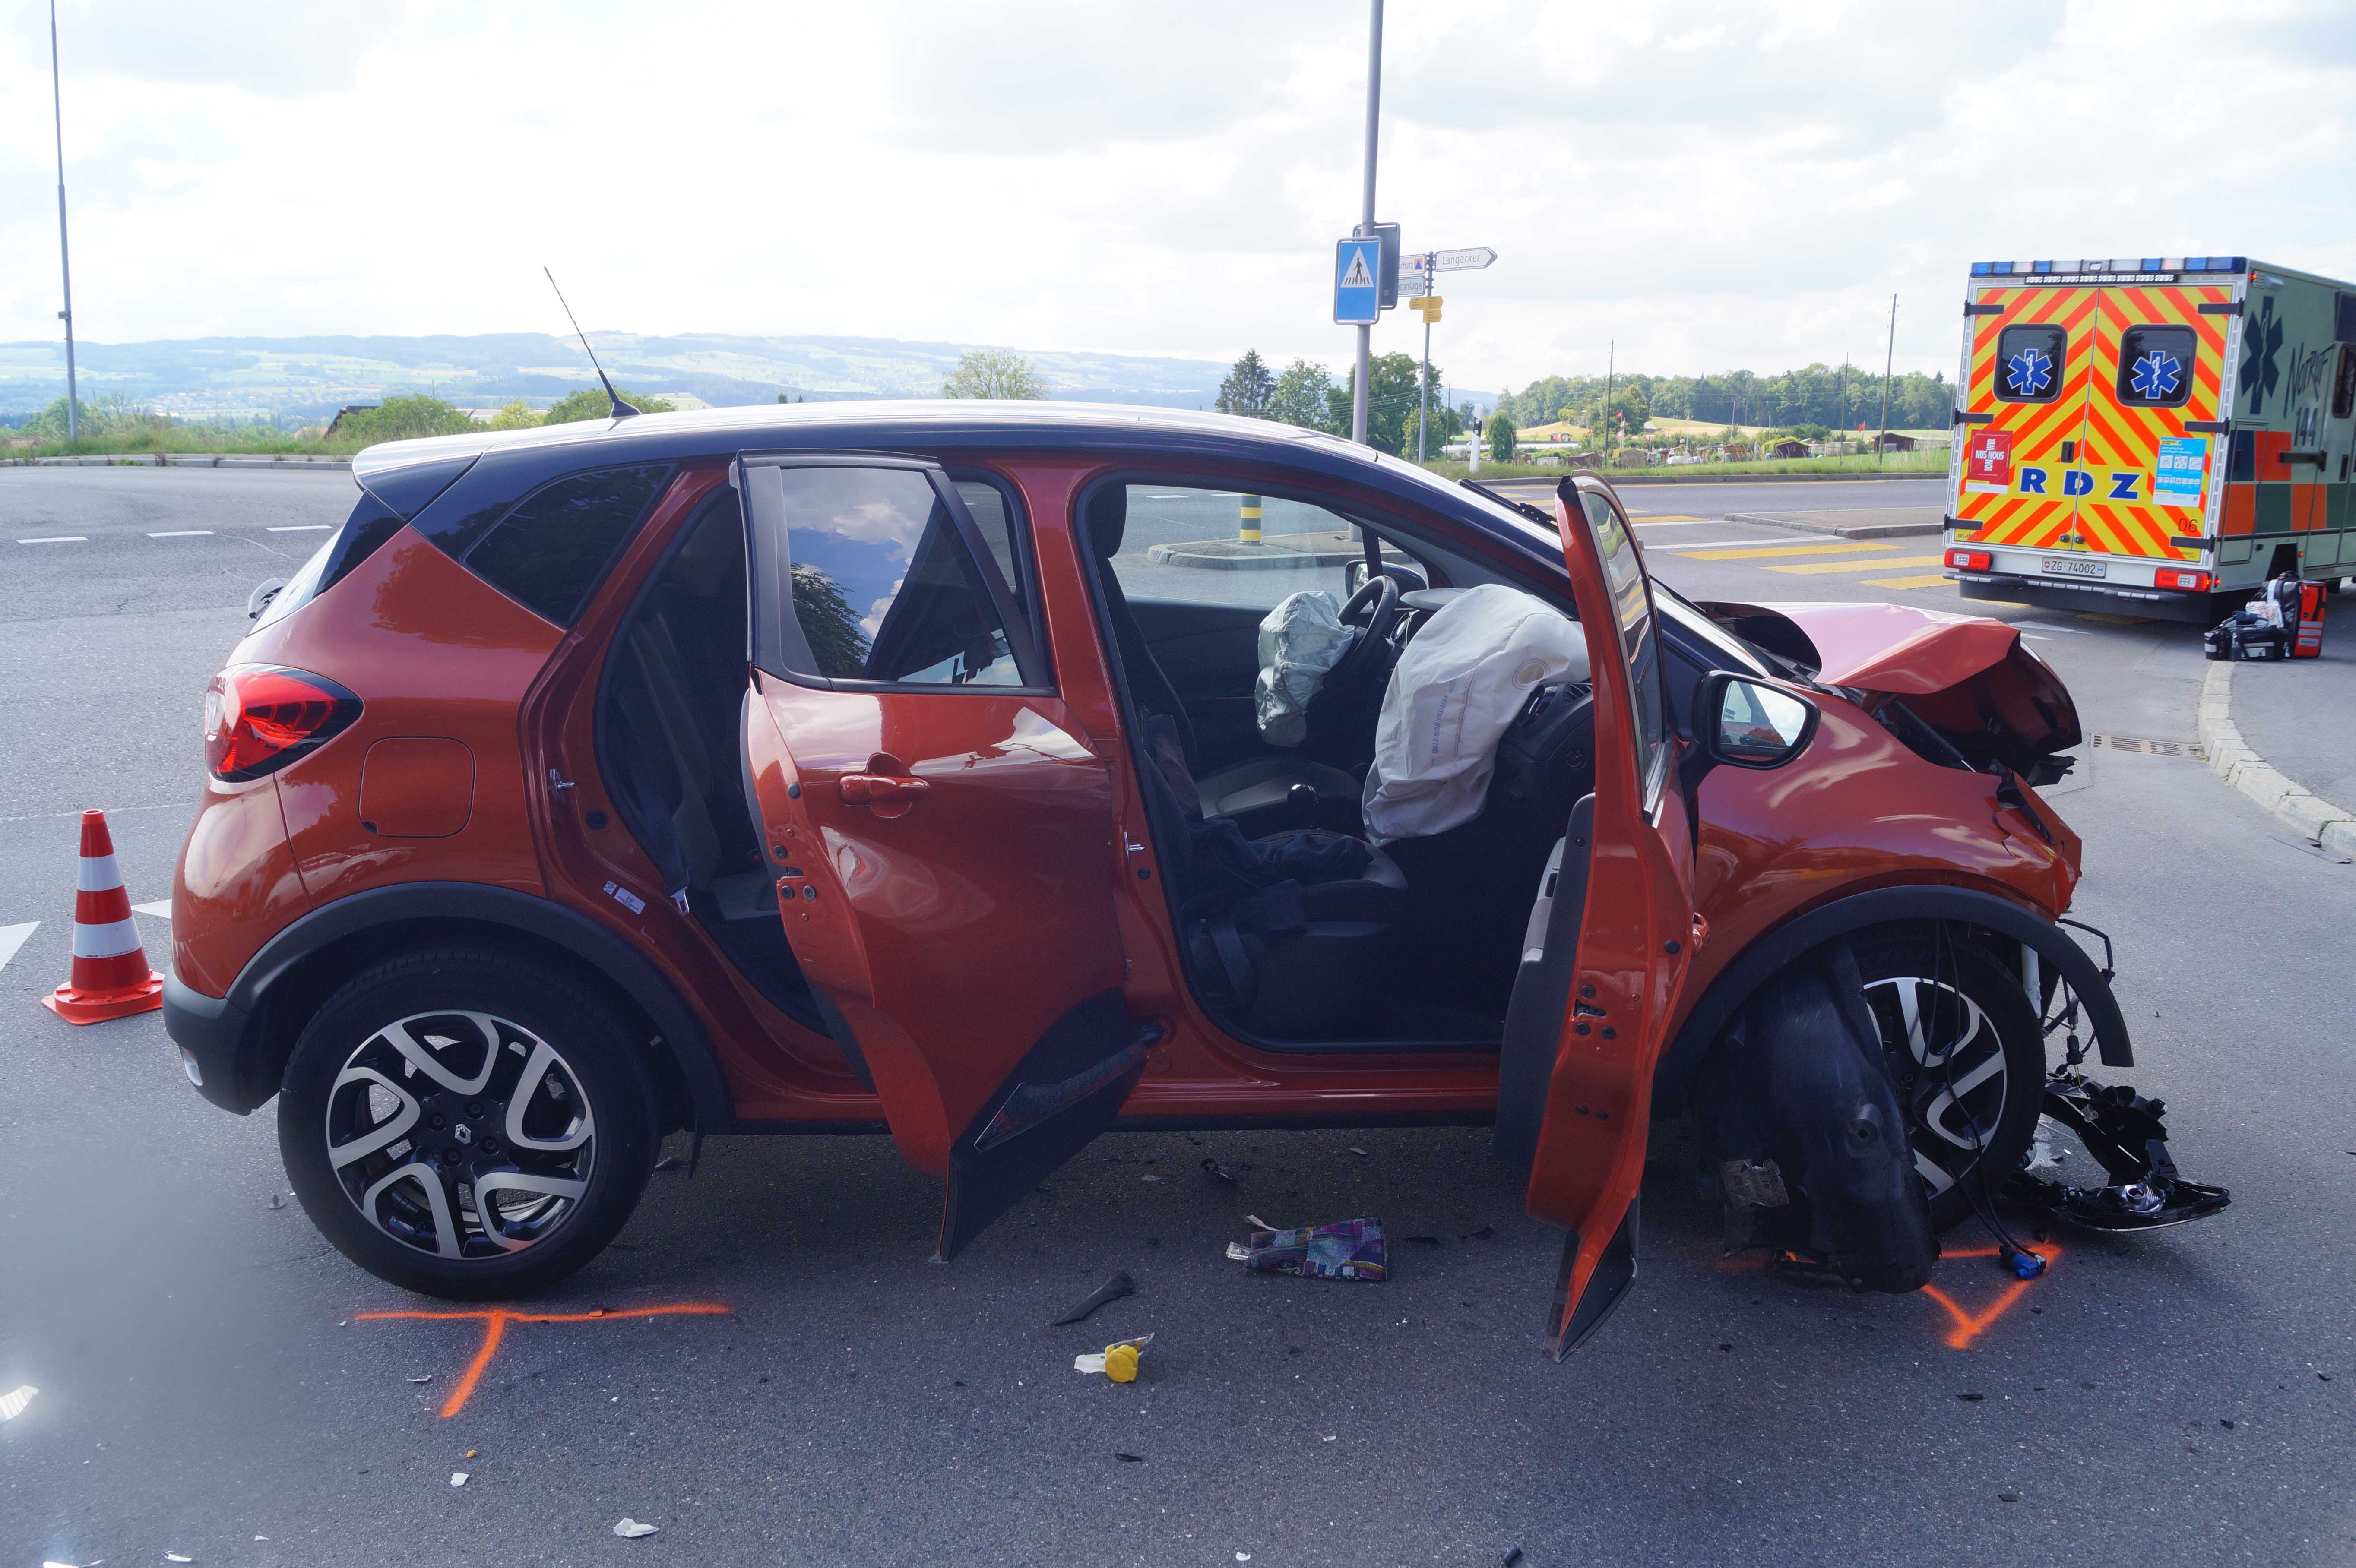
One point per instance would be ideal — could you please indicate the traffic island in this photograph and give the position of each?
(2331, 829)
(1276, 553)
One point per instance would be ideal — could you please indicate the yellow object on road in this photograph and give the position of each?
(1120, 1364)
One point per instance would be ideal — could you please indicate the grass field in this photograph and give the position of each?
(1896, 462)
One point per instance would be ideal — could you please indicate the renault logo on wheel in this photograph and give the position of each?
(465, 1134)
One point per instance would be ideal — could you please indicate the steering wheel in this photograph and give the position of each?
(1375, 608)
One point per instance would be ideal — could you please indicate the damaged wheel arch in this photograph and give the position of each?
(1770, 955)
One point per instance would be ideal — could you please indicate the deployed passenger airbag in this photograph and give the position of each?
(1463, 677)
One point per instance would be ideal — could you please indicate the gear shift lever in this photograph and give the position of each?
(1302, 798)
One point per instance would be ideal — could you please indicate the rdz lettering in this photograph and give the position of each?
(2077, 482)
(2123, 487)
(2032, 482)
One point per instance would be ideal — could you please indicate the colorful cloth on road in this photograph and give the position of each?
(1351, 1250)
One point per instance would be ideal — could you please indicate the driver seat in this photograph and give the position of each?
(1260, 783)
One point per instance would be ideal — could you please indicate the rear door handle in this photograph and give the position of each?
(880, 789)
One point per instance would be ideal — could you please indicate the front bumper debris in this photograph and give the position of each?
(2127, 1136)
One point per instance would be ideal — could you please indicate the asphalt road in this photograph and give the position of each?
(208, 1387)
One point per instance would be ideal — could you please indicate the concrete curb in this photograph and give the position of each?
(2316, 819)
(1846, 530)
(180, 460)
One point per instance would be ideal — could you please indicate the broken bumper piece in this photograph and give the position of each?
(2127, 1136)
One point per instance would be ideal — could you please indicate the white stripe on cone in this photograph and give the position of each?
(98, 874)
(106, 941)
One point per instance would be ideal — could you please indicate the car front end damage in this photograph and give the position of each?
(1892, 1063)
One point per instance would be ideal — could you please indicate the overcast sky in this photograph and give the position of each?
(1712, 185)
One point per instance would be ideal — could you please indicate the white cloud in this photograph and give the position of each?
(1709, 185)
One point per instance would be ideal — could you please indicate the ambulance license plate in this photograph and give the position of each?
(2073, 566)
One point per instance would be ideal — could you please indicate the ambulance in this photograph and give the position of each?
(2151, 436)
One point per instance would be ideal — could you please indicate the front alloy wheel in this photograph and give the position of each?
(1961, 1043)
(468, 1124)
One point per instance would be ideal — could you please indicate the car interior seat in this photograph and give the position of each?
(1261, 783)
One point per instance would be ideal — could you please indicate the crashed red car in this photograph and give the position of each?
(995, 775)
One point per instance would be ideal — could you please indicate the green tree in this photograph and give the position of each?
(591, 403)
(1303, 396)
(1500, 436)
(1249, 389)
(994, 373)
(838, 643)
(1391, 399)
(403, 418)
(516, 415)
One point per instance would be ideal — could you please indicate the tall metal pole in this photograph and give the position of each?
(65, 260)
(1890, 357)
(1367, 210)
(1423, 409)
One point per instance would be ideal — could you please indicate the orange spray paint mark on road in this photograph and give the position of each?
(1969, 1326)
(495, 1323)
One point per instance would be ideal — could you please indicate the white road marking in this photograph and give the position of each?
(182, 534)
(300, 527)
(1723, 544)
(161, 909)
(58, 538)
(1643, 521)
(12, 937)
(2049, 626)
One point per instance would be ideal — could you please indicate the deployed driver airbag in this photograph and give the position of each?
(1463, 678)
(1299, 641)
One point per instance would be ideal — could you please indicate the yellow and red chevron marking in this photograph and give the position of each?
(2122, 437)
(2038, 428)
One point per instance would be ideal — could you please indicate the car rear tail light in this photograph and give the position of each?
(1970, 559)
(2191, 581)
(259, 718)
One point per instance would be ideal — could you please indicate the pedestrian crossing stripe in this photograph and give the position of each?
(1930, 580)
(1815, 567)
(1357, 277)
(1768, 551)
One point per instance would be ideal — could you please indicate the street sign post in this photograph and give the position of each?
(1357, 288)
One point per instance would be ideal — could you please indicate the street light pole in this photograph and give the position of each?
(1423, 409)
(1366, 221)
(65, 260)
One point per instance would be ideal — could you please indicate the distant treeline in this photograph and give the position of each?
(1813, 395)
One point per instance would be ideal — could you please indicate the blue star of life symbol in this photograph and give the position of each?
(2157, 374)
(2028, 372)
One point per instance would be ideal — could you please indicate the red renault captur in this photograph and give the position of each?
(993, 774)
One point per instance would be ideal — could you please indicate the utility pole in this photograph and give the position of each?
(1611, 354)
(65, 260)
(1366, 224)
(1890, 357)
(1844, 393)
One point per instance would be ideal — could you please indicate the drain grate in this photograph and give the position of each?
(2149, 748)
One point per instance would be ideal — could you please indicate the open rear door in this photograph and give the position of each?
(1635, 932)
(944, 845)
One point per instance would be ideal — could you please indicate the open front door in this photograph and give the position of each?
(1635, 932)
(944, 845)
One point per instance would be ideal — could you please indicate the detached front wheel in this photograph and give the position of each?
(467, 1124)
(1964, 1047)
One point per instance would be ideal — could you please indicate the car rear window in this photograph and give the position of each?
(552, 549)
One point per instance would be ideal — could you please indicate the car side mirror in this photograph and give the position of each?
(1749, 723)
(1354, 575)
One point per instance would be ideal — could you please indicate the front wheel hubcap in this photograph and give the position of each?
(1948, 1059)
(460, 1134)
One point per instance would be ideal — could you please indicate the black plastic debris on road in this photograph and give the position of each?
(1111, 1290)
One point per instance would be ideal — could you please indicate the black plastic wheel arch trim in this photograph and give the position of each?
(219, 1033)
(1674, 1077)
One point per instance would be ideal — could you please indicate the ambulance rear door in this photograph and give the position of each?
(2151, 445)
(2025, 374)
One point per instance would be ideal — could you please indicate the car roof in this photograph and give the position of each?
(462, 474)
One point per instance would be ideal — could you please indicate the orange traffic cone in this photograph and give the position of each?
(111, 978)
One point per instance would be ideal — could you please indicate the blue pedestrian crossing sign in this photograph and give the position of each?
(1357, 287)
